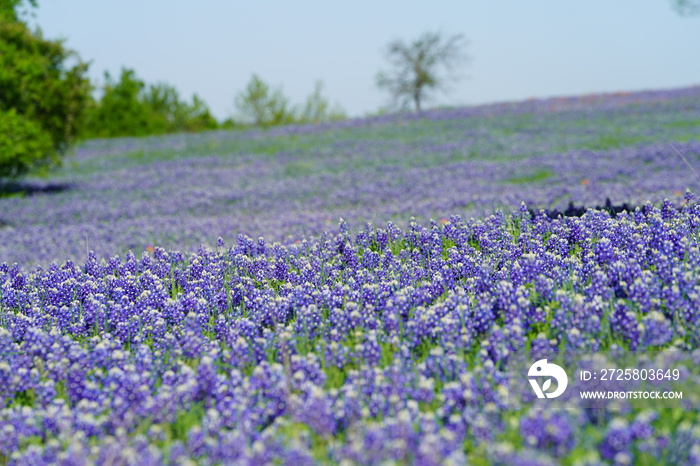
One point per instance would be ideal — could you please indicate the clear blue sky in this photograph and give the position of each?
(519, 49)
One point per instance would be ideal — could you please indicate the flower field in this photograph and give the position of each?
(200, 297)
(183, 191)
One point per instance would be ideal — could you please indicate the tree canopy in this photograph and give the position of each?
(687, 7)
(317, 109)
(261, 105)
(10, 9)
(128, 107)
(43, 93)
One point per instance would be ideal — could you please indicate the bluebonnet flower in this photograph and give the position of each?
(393, 339)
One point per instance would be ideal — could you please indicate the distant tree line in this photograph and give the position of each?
(128, 107)
(47, 101)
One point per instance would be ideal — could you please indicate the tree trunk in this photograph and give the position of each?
(416, 99)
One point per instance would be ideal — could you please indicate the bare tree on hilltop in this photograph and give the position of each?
(421, 67)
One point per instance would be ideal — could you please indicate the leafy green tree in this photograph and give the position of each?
(24, 145)
(161, 105)
(130, 108)
(317, 109)
(9, 9)
(262, 106)
(43, 94)
(120, 111)
(197, 117)
(422, 67)
(170, 113)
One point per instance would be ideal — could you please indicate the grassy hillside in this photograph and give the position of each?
(185, 190)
